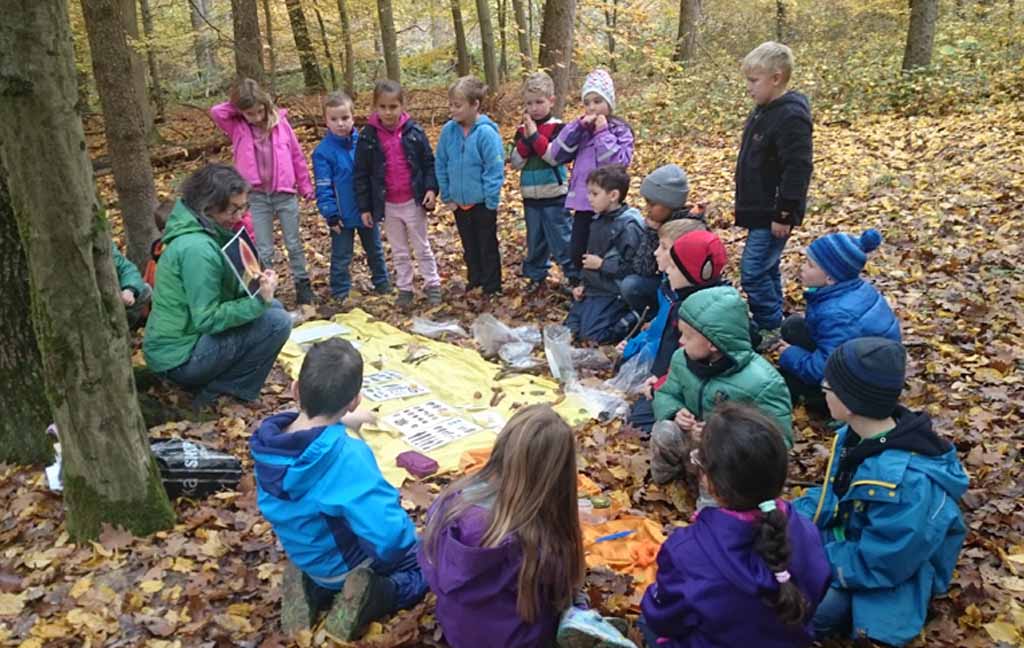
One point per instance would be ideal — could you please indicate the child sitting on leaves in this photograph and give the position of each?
(749, 571)
(887, 507)
(598, 312)
(340, 523)
(715, 364)
(841, 306)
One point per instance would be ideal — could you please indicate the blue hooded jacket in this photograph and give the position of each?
(894, 533)
(471, 168)
(324, 495)
(333, 167)
(835, 314)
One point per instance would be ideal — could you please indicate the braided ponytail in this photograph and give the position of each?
(772, 544)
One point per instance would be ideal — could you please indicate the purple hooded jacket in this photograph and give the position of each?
(589, 150)
(711, 585)
(476, 588)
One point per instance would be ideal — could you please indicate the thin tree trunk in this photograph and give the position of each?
(108, 471)
(246, 23)
(503, 36)
(350, 58)
(920, 34)
(128, 12)
(461, 48)
(268, 19)
(155, 78)
(611, 19)
(389, 40)
(307, 57)
(124, 125)
(686, 38)
(483, 12)
(23, 438)
(556, 42)
(327, 48)
(523, 34)
(203, 42)
(529, 8)
(780, 21)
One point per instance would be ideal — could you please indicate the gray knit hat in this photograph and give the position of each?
(667, 185)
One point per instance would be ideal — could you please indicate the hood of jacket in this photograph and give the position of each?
(792, 100)
(720, 314)
(374, 120)
(463, 565)
(289, 464)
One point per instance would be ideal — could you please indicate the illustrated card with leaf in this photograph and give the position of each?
(241, 254)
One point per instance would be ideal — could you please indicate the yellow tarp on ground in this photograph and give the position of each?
(456, 376)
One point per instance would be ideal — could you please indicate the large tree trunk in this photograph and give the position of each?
(268, 20)
(155, 78)
(23, 438)
(129, 15)
(124, 125)
(483, 12)
(389, 40)
(522, 34)
(461, 48)
(246, 22)
(556, 42)
(310, 69)
(203, 43)
(108, 471)
(346, 37)
(686, 38)
(921, 33)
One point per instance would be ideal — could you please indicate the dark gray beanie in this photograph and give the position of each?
(667, 185)
(867, 375)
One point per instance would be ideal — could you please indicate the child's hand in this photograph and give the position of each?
(577, 293)
(648, 389)
(336, 228)
(621, 346)
(600, 123)
(592, 262)
(367, 219)
(685, 420)
(359, 418)
(429, 201)
(781, 231)
(268, 284)
(529, 126)
(588, 120)
(127, 297)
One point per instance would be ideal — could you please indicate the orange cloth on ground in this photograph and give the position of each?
(634, 554)
(472, 461)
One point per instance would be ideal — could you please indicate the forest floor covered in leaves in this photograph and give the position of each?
(948, 195)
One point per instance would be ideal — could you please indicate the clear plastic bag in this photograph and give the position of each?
(632, 376)
(601, 405)
(491, 334)
(558, 350)
(518, 355)
(435, 330)
(590, 359)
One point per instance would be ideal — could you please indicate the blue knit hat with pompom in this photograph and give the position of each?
(842, 256)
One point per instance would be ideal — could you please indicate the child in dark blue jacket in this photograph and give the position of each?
(840, 306)
(339, 522)
(333, 166)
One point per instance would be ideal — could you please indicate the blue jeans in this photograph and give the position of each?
(264, 207)
(834, 616)
(761, 279)
(547, 235)
(641, 293)
(237, 361)
(342, 246)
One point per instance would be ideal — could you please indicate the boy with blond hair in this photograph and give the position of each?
(773, 172)
(543, 183)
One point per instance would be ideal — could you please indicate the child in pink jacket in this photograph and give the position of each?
(267, 154)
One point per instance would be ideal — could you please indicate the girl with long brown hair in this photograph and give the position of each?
(503, 549)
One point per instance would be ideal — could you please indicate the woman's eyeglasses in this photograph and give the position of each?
(235, 210)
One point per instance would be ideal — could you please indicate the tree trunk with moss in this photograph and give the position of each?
(522, 34)
(304, 45)
(924, 14)
(350, 58)
(23, 437)
(461, 48)
(389, 40)
(686, 34)
(483, 12)
(109, 472)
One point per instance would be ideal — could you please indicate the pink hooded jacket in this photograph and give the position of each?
(291, 175)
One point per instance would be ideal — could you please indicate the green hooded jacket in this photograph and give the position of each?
(128, 276)
(720, 315)
(195, 293)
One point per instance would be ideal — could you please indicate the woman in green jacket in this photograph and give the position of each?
(205, 332)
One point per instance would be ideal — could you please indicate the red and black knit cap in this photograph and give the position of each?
(700, 256)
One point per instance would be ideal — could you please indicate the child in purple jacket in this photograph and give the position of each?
(749, 572)
(593, 140)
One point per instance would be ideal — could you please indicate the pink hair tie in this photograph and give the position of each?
(782, 576)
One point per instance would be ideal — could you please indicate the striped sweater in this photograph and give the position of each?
(541, 178)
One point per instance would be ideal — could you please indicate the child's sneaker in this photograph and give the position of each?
(404, 300)
(434, 295)
(383, 290)
(587, 629)
(365, 597)
(297, 611)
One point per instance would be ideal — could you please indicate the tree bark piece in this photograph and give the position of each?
(920, 34)
(389, 40)
(556, 43)
(483, 12)
(246, 23)
(124, 124)
(23, 438)
(108, 471)
(523, 34)
(686, 38)
(461, 48)
(307, 57)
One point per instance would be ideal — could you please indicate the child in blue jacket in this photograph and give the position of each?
(887, 508)
(339, 522)
(470, 171)
(841, 306)
(333, 166)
